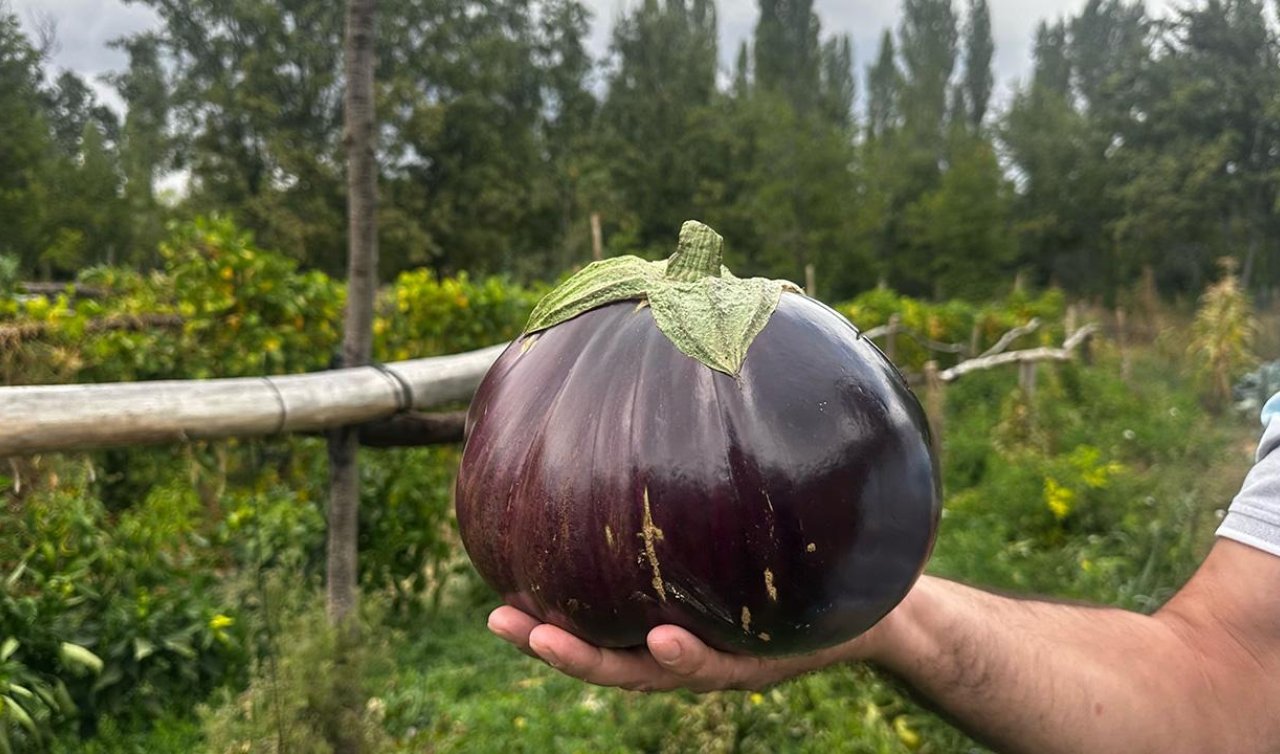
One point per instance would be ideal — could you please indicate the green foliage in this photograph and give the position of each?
(301, 696)
(8, 274)
(246, 311)
(167, 735)
(1090, 491)
(423, 315)
(139, 593)
(408, 539)
(958, 234)
(31, 704)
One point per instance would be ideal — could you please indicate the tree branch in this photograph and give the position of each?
(1065, 353)
(1007, 339)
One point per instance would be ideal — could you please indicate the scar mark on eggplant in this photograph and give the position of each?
(651, 534)
(811, 548)
(768, 585)
(746, 619)
(608, 535)
(699, 600)
(764, 636)
(527, 345)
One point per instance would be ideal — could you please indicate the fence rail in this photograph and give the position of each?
(51, 418)
(48, 418)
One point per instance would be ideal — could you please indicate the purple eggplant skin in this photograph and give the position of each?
(610, 483)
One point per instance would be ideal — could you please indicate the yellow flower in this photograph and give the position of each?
(220, 621)
(1059, 499)
(520, 722)
(908, 737)
(757, 698)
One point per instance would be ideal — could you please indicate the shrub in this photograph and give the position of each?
(307, 694)
(1222, 339)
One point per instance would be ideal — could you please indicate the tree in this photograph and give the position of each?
(978, 51)
(255, 87)
(1201, 157)
(146, 148)
(1109, 42)
(566, 125)
(884, 85)
(837, 89)
(24, 144)
(927, 38)
(788, 55)
(959, 235)
(467, 97)
(71, 107)
(1052, 67)
(661, 82)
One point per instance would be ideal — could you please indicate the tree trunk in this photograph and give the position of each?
(362, 269)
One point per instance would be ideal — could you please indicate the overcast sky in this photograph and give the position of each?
(86, 26)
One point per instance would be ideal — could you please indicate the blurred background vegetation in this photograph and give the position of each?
(167, 599)
(1134, 144)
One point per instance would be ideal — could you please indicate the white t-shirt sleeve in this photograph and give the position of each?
(1254, 515)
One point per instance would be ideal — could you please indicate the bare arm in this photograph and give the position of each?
(1202, 674)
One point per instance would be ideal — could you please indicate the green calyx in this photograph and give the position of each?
(705, 311)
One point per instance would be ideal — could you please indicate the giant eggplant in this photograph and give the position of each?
(668, 443)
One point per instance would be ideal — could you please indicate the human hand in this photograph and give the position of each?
(673, 658)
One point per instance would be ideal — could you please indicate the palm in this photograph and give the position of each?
(673, 658)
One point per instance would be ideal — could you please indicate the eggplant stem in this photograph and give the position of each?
(699, 253)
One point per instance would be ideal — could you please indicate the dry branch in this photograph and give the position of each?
(1065, 353)
(73, 417)
(1007, 339)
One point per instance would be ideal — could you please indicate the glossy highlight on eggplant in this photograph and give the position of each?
(611, 483)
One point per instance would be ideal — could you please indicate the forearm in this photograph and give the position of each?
(1027, 676)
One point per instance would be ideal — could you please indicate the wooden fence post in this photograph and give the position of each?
(1027, 380)
(934, 404)
(1122, 341)
(891, 337)
(597, 238)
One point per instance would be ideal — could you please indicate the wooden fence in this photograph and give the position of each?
(51, 418)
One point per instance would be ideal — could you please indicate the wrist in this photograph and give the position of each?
(885, 643)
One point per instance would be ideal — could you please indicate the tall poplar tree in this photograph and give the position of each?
(979, 48)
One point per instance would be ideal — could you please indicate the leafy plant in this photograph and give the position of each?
(299, 696)
(136, 598)
(1222, 338)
